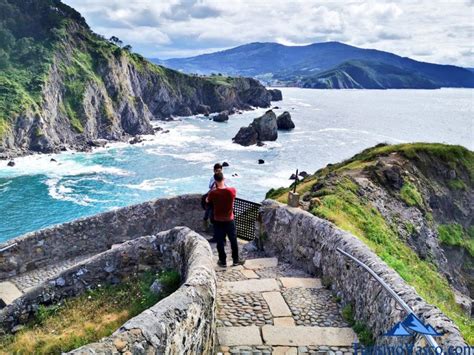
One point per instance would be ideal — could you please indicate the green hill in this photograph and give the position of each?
(368, 75)
(63, 86)
(412, 205)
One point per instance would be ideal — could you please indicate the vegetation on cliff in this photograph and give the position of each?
(88, 318)
(409, 203)
(63, 85)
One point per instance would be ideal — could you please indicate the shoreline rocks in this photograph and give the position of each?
(276, 94)
(263, 128)
(284, 121)
(221, 116)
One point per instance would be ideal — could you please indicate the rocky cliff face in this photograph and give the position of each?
(88, 88)
(412, 204)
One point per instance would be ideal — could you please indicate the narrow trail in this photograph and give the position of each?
(267, 306)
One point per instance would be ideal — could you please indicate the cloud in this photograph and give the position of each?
(175, 28)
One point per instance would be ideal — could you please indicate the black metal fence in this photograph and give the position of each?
(246, 214)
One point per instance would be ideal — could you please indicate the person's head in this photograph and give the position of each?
(217, 168)
(219, 178)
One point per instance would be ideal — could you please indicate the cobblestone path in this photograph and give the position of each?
(269, 307)
(35, 277)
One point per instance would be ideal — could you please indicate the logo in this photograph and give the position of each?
(411, 326)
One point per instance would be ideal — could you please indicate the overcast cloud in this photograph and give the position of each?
(433, 31)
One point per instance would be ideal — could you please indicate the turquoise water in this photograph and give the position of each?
(330, 126)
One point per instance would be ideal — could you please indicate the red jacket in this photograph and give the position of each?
(223, 203)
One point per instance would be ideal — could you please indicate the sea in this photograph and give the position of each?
(331, 125)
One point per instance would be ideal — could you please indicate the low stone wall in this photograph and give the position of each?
(310, 243)
(182, 323)
(97, 233)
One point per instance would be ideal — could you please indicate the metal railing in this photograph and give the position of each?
(245, 214)
(392, 293)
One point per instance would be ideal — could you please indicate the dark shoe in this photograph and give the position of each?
(222, 264)
(212, 240)
(238, 262)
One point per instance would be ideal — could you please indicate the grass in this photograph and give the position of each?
(410, 195)
(89, 317)
(343, 205)
(457, 184)
(364, 334)
(454, 235)
(347, 210)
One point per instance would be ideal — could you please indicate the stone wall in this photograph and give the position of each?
(97, 233)
(180, 323)
(310, 243)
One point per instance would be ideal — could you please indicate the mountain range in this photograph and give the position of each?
(324, 65)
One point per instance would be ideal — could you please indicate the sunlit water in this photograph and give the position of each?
(330, 126)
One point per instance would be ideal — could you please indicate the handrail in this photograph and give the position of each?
(392, 293)
(8, 247)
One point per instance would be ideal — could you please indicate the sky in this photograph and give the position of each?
(427, 30)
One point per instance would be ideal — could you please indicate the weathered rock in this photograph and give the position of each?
(246, 136)
(156, 287)
(136, 140)
(266, 126)
(11, 163)
(203, 109)
(98, 142)
(284, 121)
(276, 94)
(221, 117)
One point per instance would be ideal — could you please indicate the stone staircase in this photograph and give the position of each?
(17, 285)
(269, 307)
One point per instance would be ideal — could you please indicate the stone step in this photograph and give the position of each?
(307, 336)
(277, 304)
(231, 336)
(246, 286)
(300, 282)
(263, 263)
(8, 292)
(30, 279)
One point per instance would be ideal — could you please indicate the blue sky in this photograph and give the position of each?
(434, 31)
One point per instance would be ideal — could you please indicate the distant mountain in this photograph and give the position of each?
(367, 75)
(274, 63)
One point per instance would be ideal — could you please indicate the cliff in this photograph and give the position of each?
(412, 205)
(63, 86)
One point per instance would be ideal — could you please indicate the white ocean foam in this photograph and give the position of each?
(67, 165)
(149, 185)
(5, 184)
(167, 184)
(230, 146)
(58, 192)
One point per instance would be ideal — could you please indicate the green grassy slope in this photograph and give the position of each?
(335, 195)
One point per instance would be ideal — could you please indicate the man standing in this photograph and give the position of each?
(222, 199)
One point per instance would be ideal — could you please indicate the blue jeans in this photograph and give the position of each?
(221, 230)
